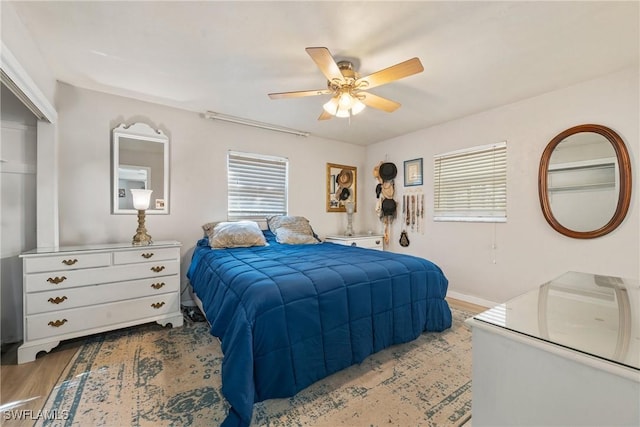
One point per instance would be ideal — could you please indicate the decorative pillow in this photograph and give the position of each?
(293, 230)
(208, 227)
(240, 234)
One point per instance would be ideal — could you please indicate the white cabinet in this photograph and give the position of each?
(564, 354)
(82, 290)
(361, 240)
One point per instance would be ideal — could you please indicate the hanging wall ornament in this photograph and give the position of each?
(404, 239)
(418, 220)
(413, 212)
(422, 212)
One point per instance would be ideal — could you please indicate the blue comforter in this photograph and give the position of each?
(289, 315)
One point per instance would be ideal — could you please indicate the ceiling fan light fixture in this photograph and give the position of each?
(332, 106)
(357, 107)
(343, 106)
(346, 101)
(343, 113)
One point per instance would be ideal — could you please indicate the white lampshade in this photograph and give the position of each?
(344, 105)
(357, 107)
(141, 199)
(331, 106)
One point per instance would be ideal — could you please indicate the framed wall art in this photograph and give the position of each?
(413, 172)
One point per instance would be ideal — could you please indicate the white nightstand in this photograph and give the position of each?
(369, 241)
(70, 292)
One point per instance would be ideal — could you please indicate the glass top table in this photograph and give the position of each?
(592, 314)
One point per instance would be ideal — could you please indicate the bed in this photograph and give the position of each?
(288, 315)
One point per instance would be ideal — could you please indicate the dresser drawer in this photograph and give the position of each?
(91, 276)
(146, 254)
(66, 262)
(71, 321)
(63, 299)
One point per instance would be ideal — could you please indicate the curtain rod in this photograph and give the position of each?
(247, 122)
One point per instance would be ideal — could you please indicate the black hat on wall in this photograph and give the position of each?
(388, 207)
(388, 171)
(344, 194)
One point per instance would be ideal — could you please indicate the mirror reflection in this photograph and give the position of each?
(583, 181)
(140, 162)
(591, 313)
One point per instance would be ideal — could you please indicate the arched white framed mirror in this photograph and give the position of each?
(140, 161)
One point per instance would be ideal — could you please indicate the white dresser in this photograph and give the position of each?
(369, 241)
(564, 354)
(81, 290)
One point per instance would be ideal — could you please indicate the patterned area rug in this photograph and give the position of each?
(152, 376)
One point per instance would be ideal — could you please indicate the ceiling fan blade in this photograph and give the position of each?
(395, 72)
(323, 59)
(325, 116)
(299, 94)
(379, 102)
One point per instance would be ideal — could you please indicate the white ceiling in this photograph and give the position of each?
(227, 56)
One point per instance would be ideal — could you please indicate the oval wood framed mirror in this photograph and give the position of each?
(584, 181)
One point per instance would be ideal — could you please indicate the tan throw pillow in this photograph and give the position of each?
(293, 230)
(240, 234)
(208, 230)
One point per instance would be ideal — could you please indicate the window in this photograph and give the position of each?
(471, 184)
(257, 186)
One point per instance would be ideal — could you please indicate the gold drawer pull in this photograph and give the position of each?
(69, 261)
(56, 280)
(157, 269)
(57, 300)
(157, 305)
(57, 323)
(157, 285)
(147, 255)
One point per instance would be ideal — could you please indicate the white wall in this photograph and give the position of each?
(198, 149)
(527, 251)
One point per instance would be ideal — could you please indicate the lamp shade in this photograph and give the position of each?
(344, 105)
(141, 199)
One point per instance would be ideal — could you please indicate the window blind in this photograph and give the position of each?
(256, 186)
(471, 184)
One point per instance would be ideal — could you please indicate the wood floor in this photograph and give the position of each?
(26, 387)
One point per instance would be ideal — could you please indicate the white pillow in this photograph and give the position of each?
(240, 234)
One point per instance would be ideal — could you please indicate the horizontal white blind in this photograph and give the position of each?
(471, 184)
(257, 186)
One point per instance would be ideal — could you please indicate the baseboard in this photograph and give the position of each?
(471, 299)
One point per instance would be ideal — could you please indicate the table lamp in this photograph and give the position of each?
(141, 199)
(349, 206)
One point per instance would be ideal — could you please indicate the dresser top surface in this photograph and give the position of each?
(99, 247)
(592, 314)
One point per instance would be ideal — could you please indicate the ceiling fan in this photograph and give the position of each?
(347, 88)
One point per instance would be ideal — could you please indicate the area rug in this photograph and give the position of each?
(154, 376)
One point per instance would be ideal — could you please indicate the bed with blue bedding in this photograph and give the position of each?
(289, 315)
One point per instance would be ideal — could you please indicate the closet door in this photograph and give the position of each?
(17, 207)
